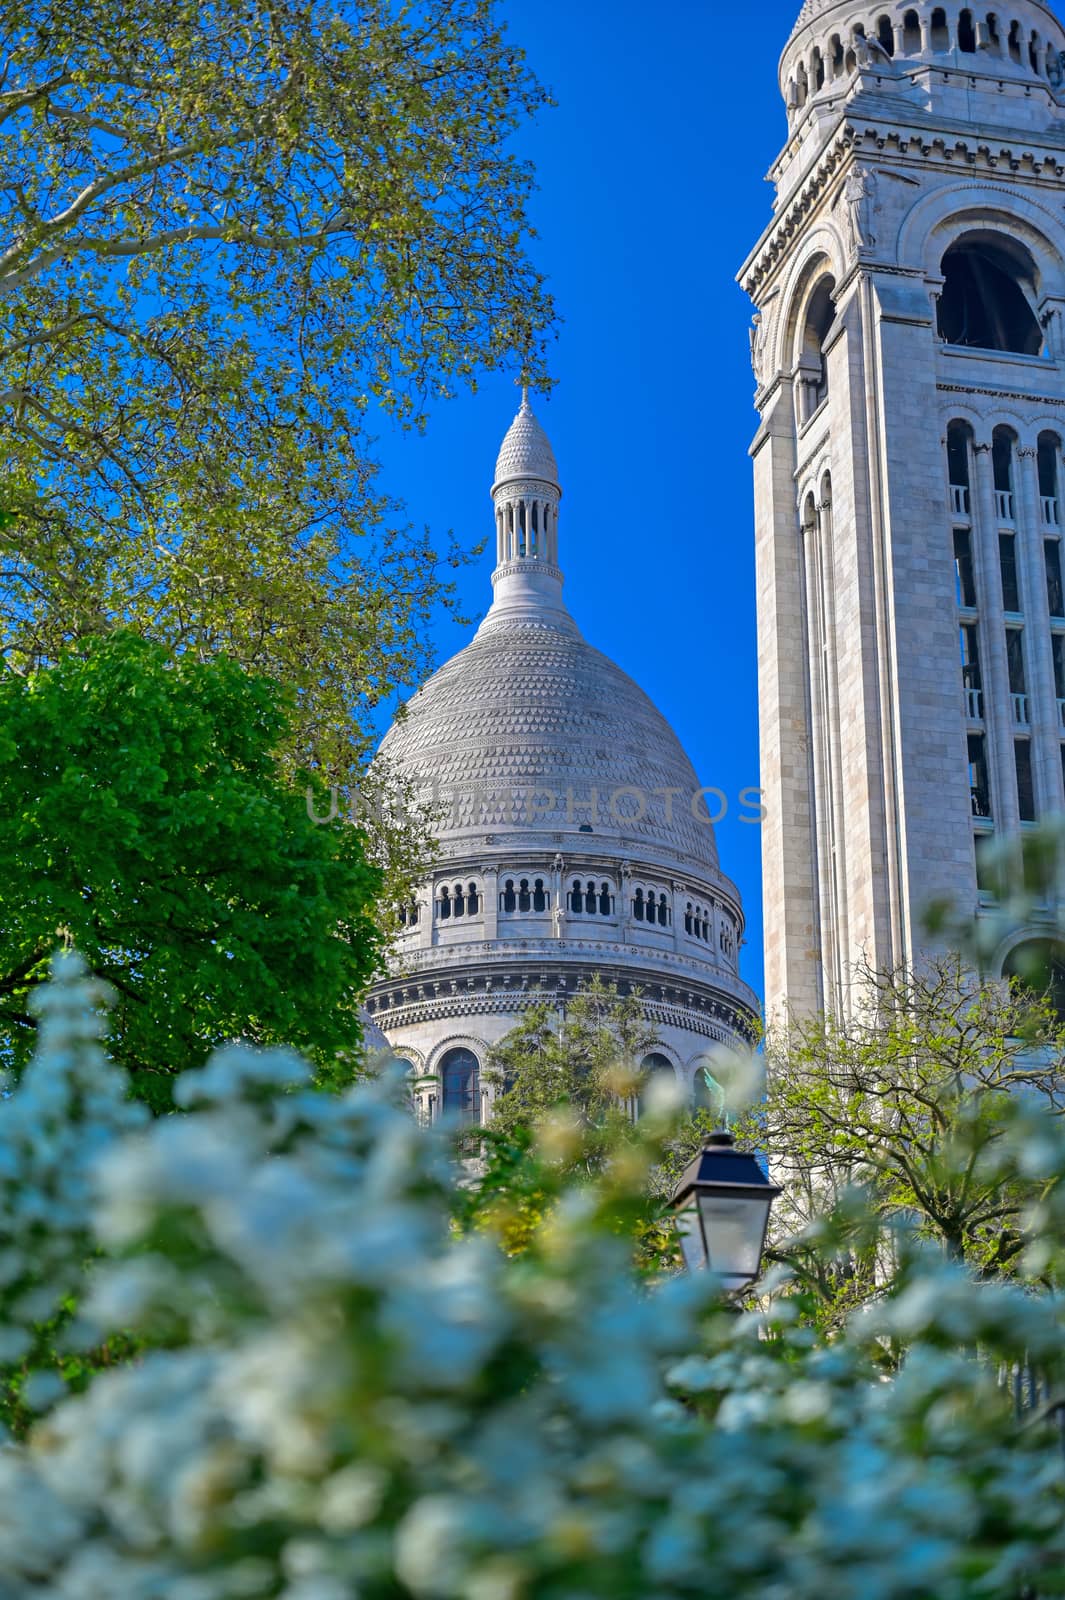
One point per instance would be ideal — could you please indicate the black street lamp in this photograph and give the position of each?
(721, 1206)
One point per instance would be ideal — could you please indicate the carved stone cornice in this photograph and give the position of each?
(860, 134)
(1002, 394)
(692, 1010)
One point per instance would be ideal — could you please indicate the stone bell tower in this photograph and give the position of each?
(909, 352)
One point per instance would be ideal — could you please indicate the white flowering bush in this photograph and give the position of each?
(336, 1396)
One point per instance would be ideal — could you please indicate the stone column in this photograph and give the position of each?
(998, 706)
(490, 878)
(1043, 703)
(826, 939)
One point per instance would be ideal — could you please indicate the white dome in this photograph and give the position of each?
(573, 840)
(517, 731)
(526, 450)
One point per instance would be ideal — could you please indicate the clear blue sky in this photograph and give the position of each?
(650, 172)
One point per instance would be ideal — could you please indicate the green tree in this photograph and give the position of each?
(889, 1117)
(230, 233)
(567, 1081)
(143, 818)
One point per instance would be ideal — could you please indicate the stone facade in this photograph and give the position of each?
(909, 292)
(576, 839)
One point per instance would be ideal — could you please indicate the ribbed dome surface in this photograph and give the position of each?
(526, 451)
(530, 708)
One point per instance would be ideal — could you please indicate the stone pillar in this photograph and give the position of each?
(1043, 703)
(998, 706)
(825, 939)
(490, 878)
(425, 918)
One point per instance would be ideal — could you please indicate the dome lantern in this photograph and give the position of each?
(526, 494)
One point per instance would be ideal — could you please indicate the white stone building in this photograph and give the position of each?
(909, 352)
(577, 840)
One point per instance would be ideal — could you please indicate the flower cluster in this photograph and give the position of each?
(339, 1397)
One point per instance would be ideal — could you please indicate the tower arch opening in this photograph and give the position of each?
(940, 33)
(966, 33)
(985, 300)
(885, 34)
(1038, 967)
(911, 34)
(812, 371)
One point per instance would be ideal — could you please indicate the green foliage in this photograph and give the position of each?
(567, 1084)
(884, 1124)
(232, 233)
(145, 820)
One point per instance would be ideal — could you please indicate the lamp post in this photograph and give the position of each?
(721, 1206)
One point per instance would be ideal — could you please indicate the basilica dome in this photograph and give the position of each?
(574, 838)
(530, 728)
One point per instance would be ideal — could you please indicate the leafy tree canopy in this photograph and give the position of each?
(890, 1118)
(144, 819)
(227, 233)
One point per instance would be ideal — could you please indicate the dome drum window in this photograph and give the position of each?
(652, 906)
(408, 915)
(698, 922)
(524, 896)
(457, 900)
(590, 898)
(460, 1076)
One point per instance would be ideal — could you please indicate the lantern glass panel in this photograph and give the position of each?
(691, 1237)
(734, 1228)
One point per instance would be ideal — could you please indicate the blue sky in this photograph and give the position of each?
(650, 172)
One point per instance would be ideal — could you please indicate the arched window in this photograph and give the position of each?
(966, 33)
(510, 899)
(994, 37)
(458, 904)
(983, 304)
(835, 50)
(637, 905)
(473, 900)
(604, 900)
(652, 906)
(445, 901)
(1048, 453)
(663, 912)
(959, 443)
(655, 1065)
(886, 35)
(911, 33)
(1033, 52)
(524, 897)
(1003, 441)
(813, 368)
(817, 71)
(539, 896)
(460, 1074)
(590, 898)
(1038, 965)
(576, 898)
(940, 32)
(800, 86)
(689, 922)
(1014, 42)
